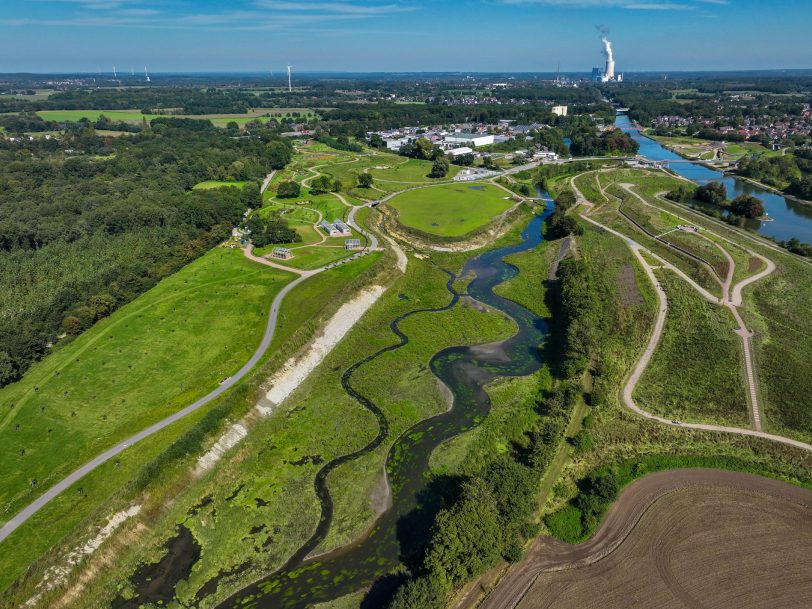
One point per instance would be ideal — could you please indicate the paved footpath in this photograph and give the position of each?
(270, 329)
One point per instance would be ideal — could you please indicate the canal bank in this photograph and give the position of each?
(788, 217)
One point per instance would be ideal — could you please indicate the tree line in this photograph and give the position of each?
(88, 223)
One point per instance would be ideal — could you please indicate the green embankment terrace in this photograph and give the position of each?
(150, 358)
(451, 210)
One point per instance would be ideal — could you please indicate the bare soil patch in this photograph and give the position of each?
(732, 545)
(629, 292)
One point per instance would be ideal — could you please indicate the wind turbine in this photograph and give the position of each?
(146, 74)
(115, 76)
(290, 86)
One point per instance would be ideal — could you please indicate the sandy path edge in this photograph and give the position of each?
(548, 554)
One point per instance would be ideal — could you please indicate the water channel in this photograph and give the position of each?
(402, 529)
(789, 218)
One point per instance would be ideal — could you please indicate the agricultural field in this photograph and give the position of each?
(696, 373)
(451, 210)
(151, 357)
(209, 184)
(136, 116)
(685, 550)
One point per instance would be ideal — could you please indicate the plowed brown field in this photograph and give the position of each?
(685, 538)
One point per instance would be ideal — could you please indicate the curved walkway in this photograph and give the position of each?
(654, 340)
(270, 330)
(732, 304)
(548, 554)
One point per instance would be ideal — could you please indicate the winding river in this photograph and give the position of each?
(789, 218)
(403, 528)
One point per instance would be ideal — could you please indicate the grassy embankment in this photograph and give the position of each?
(451, 210)
(161, 352)
(151, 357)
(161, 464)
(696, 373)
(625, 446)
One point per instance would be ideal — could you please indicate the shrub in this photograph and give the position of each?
(288, 189)
(566, 524)
(421, 593)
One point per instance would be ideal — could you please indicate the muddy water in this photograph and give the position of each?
(402, 529)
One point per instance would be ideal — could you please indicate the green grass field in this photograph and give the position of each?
(135, 116)
(696, 372)
(450, 210)
(159, 353)
(407, 171)
(209, 184)
(128, 116)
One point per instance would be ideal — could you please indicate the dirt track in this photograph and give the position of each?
(682, 538)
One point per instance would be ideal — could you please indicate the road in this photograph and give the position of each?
(270, 329)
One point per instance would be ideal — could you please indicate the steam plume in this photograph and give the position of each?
(607, 48)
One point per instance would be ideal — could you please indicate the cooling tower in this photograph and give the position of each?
(609, 74)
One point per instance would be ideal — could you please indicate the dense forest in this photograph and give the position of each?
(88, 223)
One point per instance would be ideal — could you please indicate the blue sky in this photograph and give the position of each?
(401, 35)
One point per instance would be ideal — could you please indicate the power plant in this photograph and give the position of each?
(608, 74)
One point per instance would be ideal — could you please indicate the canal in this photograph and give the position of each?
(788, 218)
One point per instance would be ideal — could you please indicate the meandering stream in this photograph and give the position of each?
(401, 530)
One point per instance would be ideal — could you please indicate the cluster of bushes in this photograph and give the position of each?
(578, 519)
(273, 230)
(715, 193)
(775, 171)
(588, 143)
(288, 189)
(342, 142)
(560, 223)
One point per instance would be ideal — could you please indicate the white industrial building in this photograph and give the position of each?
(455, 152)
(560, 110)
(396, 143)
(469, 139)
